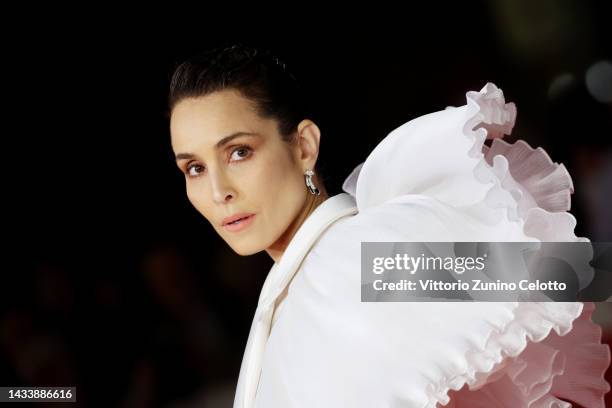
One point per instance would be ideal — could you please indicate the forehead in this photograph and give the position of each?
(206, 119)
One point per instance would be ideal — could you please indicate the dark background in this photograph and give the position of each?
(112, 282)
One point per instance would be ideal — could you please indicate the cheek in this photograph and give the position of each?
(282, 193)
(275, 179)
(196, 198)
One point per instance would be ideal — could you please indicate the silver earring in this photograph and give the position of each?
(311, 186)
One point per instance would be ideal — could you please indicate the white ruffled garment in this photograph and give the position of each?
(313, 343)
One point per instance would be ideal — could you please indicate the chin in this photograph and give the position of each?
(245, 250)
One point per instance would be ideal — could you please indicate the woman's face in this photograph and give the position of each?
(254, 173)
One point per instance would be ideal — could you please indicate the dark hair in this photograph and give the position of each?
(256, 73)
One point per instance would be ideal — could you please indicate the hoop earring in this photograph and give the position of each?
(311, 186)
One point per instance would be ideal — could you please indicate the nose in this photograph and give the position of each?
(222, 191)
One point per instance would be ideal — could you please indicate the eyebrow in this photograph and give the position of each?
(223, 141)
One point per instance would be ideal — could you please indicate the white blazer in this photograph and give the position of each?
(279, 277)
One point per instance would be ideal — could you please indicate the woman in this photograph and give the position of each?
(241, 135)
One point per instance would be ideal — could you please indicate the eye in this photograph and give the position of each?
(238, 154)
(243, 152)
(194, 170)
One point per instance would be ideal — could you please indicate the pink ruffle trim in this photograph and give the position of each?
(550, 353)
(552, 373)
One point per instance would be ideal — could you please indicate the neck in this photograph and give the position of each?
(276, 251)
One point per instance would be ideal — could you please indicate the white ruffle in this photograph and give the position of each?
(568, 365)
(532, 190)
(533, 193)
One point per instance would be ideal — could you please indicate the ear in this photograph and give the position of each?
(308, 140)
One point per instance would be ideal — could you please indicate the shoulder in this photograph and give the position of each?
(410, 217)
(333, 264)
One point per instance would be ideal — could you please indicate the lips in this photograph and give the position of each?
(235, 218)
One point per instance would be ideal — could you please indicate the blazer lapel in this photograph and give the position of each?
(281, 273)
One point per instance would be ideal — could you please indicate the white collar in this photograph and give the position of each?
(318, 221)
(278, 278)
